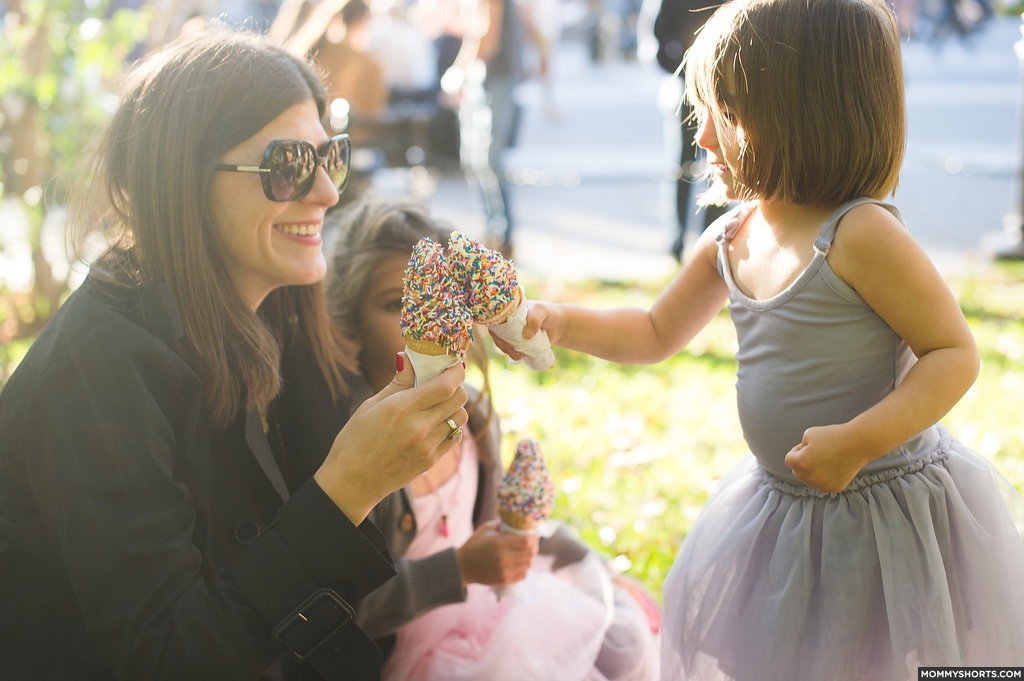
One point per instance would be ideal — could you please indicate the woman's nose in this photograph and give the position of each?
(323, 191)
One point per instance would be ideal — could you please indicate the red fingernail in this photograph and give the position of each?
(463, 365)
(399, 362)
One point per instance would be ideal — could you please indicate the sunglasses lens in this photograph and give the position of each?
(292, 169)
(336, 161)
(293, 166)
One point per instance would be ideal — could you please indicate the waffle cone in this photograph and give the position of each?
(503, 316)
(426, 347)
(516, 520)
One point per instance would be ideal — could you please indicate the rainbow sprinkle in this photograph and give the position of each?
(489, 281)
(526, 488)
(432, 307)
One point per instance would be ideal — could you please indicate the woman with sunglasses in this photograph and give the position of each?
(182, 492)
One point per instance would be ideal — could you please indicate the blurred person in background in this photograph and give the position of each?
(484, 77)
(675, 26)
(405, 52)
(543, 19)
(352, 70)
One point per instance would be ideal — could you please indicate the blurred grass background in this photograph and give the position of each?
(634, 451)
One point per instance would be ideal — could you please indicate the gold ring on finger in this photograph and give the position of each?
(455, 429)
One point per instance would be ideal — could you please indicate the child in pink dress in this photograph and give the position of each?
(568, 616)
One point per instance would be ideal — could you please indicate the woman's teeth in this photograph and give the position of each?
(298, 230)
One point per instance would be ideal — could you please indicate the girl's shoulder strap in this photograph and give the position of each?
(731, 221)
(828, 228)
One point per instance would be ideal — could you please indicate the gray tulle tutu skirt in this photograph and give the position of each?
(919, 565)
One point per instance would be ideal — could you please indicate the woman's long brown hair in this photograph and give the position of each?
(148, 189)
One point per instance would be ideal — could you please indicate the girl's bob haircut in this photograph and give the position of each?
(812, 91)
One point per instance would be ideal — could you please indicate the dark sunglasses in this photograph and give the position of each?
(289, 167)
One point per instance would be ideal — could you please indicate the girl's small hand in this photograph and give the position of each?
(496, 558)
(506, 347)
(827, 458)
(539, 315)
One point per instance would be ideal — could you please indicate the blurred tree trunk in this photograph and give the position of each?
(56, 60)
(29, 168)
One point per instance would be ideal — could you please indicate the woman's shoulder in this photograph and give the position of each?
(92, 367)
(103, 316)
(98, 338)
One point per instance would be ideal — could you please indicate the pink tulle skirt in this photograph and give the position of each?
(568, 625)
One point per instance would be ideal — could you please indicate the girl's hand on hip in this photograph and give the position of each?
(393, 437)
(827, 459)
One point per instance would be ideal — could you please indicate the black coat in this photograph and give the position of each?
(137, 543)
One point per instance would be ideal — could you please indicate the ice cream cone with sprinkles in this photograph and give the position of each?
(494, 296)
(490, 282)
(526, 494)
(435, 322)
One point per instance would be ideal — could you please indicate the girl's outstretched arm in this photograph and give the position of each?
(635, 335)
(876, 255)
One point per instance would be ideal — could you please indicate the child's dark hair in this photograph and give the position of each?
(816, 89)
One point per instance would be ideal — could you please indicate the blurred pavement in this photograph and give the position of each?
(592, 192)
